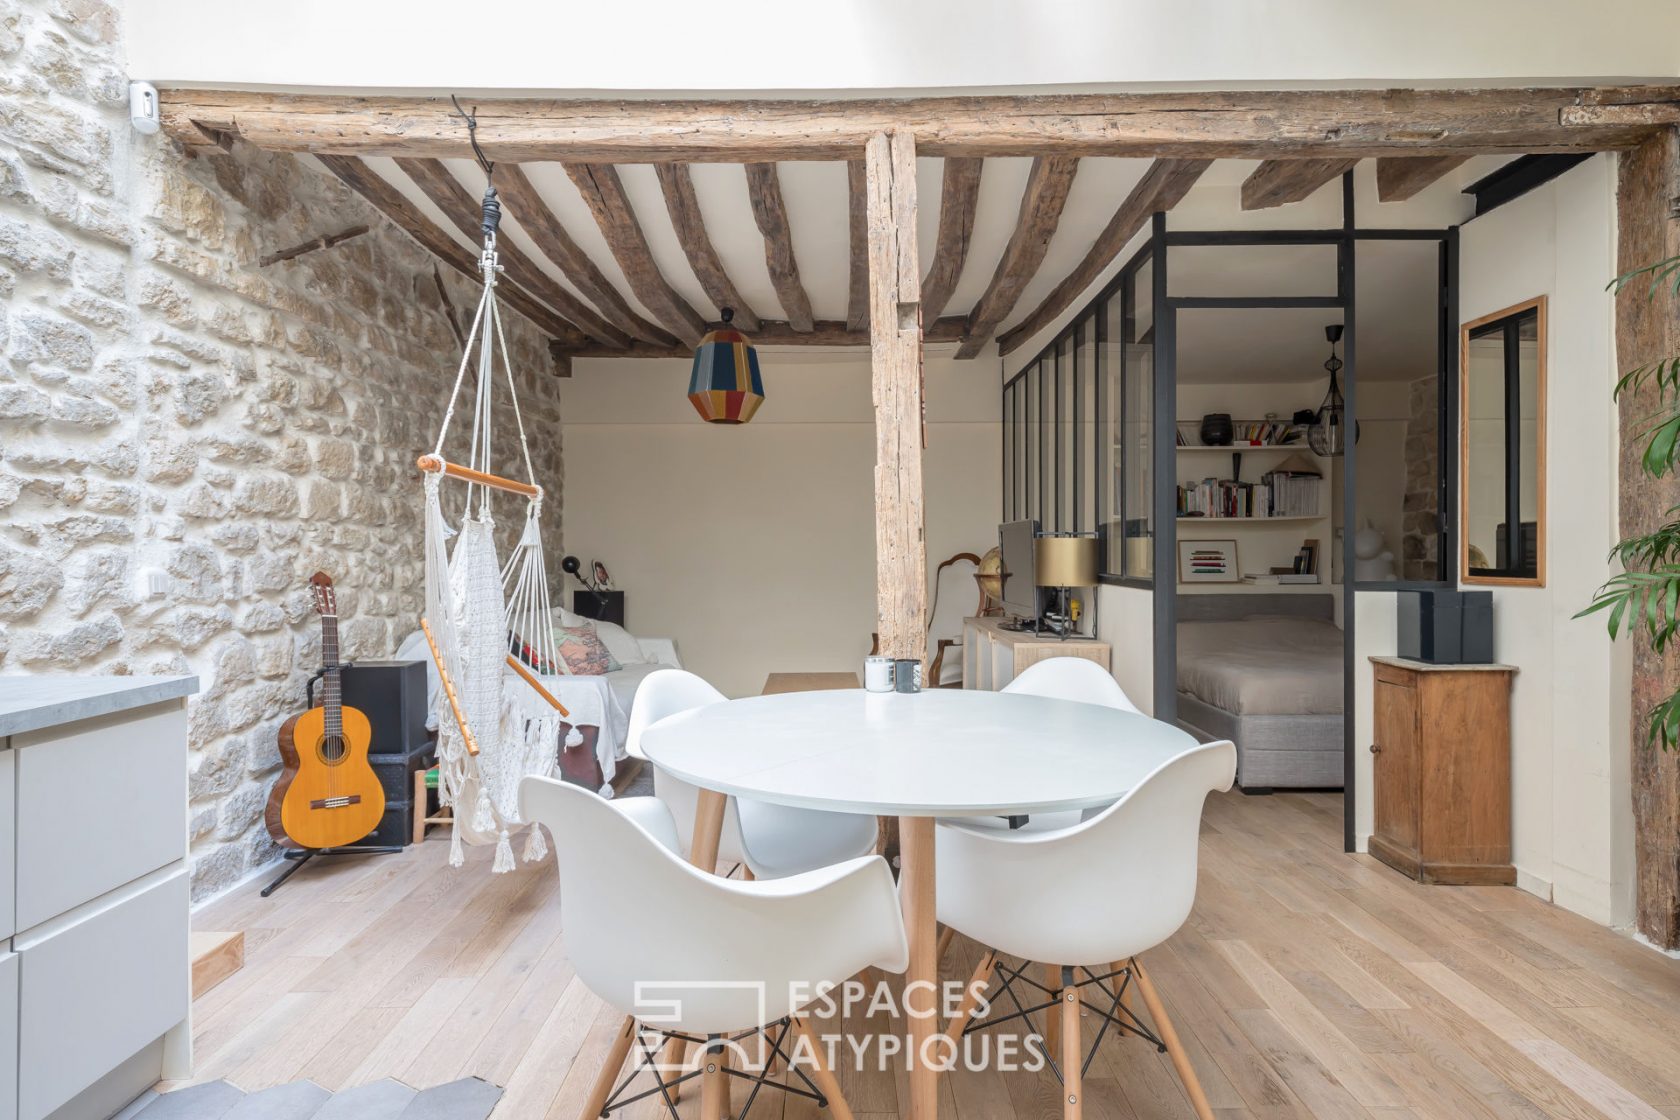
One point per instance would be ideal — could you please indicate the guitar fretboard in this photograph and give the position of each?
(331, 698)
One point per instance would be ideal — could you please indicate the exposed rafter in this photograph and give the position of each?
(957, 196)
(600, 187)
(1401, 177)
(1260, 124)
(684, 207)
(1162, 186)
(542, 225)
(774, 332)
(764, 191)
(857, 227)
(391, 202)
(1041, 209)
(1280, 181)
(460, 207)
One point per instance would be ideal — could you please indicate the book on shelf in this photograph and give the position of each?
(1280, 578)
(1277, 494)
(1244, 433)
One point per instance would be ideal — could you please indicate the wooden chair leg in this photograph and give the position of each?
(1175, 1049)
(1073, 1049)
(608, 1077)
(714, 1084)
(820, 1073)
(747, 874)
(971, 1000)
(1052, 1020)
(420, 806)
(946, 936)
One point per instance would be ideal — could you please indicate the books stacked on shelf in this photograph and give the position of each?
(1277, 494)
(1303, 569)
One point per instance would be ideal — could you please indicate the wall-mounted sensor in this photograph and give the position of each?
(143, 110)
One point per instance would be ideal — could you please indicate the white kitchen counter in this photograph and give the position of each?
(29, 703)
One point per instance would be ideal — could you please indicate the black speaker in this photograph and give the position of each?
(603, 606)
(392, 694)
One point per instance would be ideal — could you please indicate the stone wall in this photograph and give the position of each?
(169, 405)
(1420, 542)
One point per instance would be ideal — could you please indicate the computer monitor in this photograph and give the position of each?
(1020, 587)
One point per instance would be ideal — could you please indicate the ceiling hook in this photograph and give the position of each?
(472, 135)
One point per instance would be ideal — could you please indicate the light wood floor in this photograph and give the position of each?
(1307, 983)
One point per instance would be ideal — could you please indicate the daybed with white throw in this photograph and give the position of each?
(1265, 671)
(599, 706)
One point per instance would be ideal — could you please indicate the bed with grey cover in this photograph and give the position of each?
(1265, 671)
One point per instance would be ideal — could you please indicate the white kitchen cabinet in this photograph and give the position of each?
(95, 981)
(8, 834)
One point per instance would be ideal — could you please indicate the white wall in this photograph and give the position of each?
(754, 546)
(1572, 827)
(888, 44)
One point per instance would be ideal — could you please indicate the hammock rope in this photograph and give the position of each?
(488, 623)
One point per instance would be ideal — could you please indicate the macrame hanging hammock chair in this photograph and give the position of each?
(488, 623)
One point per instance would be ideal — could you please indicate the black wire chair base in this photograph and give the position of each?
(760, 1078)
(1117, 1014)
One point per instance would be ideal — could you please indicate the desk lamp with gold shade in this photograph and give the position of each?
(1062, 563)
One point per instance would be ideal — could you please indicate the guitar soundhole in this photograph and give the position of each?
(332, 749)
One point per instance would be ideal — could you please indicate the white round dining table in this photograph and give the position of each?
(916, 756)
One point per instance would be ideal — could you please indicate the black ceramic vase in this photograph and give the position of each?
(1216, 429)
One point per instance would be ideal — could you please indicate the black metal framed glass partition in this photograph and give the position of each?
(1096, 439)
(1050, 414)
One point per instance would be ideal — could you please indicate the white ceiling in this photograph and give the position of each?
(1398, 279)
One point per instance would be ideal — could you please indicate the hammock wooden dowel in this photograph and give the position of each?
(449, 691)
(531, 679)
(435, 465)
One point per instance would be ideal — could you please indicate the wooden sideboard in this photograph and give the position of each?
(993, 656)
(1441, 770)
(95, 989)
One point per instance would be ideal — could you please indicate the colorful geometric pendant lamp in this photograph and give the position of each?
(724, 386)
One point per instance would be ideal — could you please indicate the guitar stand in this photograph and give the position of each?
(296, 857)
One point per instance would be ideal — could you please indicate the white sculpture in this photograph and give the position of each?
(1371, 561)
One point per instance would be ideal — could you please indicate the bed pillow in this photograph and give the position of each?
(619, 643)
(583, 652)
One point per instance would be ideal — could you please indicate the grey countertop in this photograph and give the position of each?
(30, 703)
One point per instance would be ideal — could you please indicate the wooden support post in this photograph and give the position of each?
(1648, 330)
(895, 345)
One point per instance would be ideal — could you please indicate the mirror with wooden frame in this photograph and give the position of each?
(1502, 447)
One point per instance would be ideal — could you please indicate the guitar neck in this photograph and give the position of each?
(332, 699)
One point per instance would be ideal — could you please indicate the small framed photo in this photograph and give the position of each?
(1208, 562)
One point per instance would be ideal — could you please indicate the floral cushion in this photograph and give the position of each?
(583, 652)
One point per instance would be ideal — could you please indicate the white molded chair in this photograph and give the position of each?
(771, 840)
(1072, 678)
(691, 954)
(1060, 678)
(1089, 898)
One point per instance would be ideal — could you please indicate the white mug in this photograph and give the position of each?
(878, 674)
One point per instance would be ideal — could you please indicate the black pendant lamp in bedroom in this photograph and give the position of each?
(1328, 434)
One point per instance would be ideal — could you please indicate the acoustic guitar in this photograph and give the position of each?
(327, 796)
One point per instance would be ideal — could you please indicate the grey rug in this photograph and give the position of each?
(470, 1098)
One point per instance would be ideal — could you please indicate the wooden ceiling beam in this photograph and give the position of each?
(857, 228)
(775, 332)
(1041, 210)
(601, 188)
(1205, 124)
(391, 202)
(543, 226)
(958, 193)
(1401, 177)
(764, 192)
(1279, 181)
(1162, 187)
(683, 205)
(461, 208)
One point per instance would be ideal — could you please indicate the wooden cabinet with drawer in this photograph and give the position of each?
(1441, 770)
